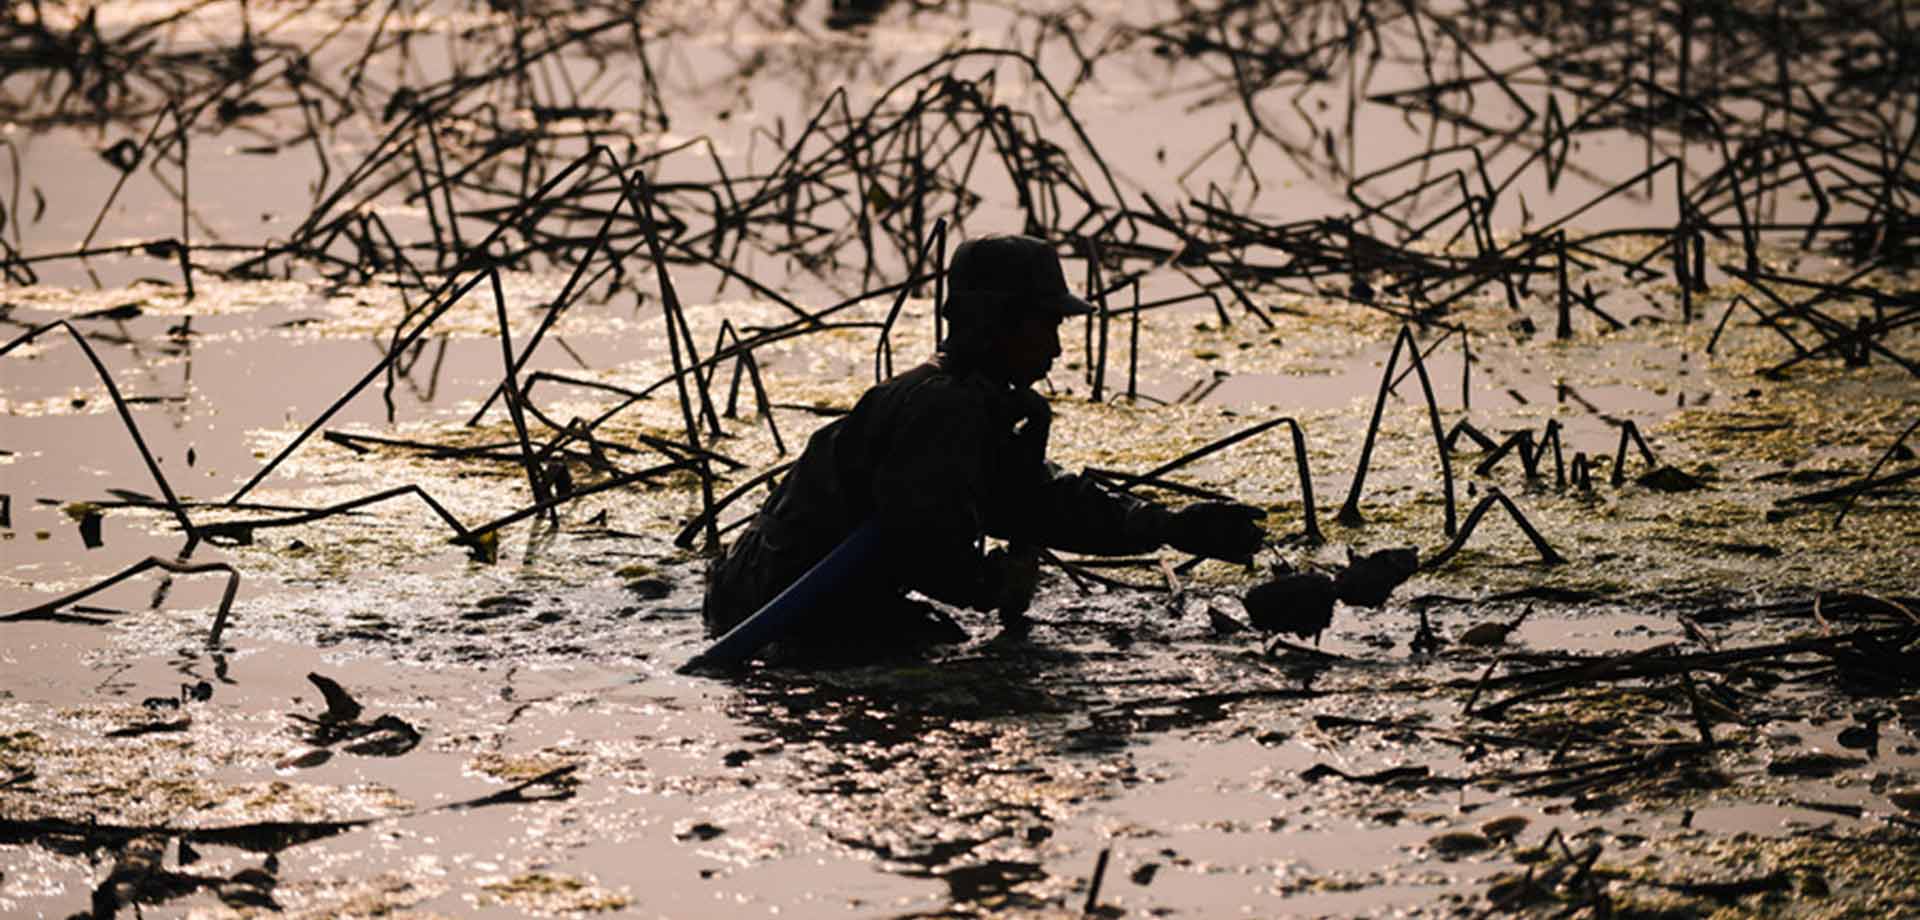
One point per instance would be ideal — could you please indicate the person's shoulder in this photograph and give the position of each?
(936, 387)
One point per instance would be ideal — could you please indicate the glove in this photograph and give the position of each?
(1009, 581)
(1217, 530)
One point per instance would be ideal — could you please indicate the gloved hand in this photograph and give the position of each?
(1009, 581)
(1217, 530)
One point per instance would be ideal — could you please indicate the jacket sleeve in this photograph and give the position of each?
(1036, 502)
(929, 495)
(1074, 513)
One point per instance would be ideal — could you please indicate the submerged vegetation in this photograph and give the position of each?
(445, 341)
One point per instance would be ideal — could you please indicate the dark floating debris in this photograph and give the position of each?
(151, 728)
(699, 831)
(1456, 844)
(1369, 580)
(1814, 763)
(1301, 603)
(341, 706)
(1670, 479)
(340, 724)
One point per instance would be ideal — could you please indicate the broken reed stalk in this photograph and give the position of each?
(1082, 574)
(1662, 661)
(183, 250)
(139, 156)
(1548, 556)
(1520, 440)
(120, 405)
(476, 537)
(1563, 328)
(1481, 684)
(1312, 525)
(1883, 458)
(1856, 487)
(1701, 722)
(638, 195)
(1133, 346)
(684, 539)
(1628, 430)
(1548, 683)
(265, 836)
(701, 371)
(1350, 511)
(241, 532)
(448, 295)
(1098, 361)
(883, 346)
(1559, 460)
(762, 402)
(559, 306)
(1659, 758)
(151, 562)
(1110, 477)
(535, 481)
(1093, 886)
(1464, 427)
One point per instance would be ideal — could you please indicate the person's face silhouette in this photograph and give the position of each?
(1026, 347)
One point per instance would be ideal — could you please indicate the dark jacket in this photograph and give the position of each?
(939, 456)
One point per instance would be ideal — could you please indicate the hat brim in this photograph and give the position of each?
(1065, 305)
(965, 305)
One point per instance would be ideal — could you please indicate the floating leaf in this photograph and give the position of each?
(124, 155)
(1504, 829)
(1859, 736)
(1486, 634)
(1222, 624)
(150, 728)
(1369, 580)
(1455, 844)
(1670, 479)
(699, 831)
(123, 311)
(650, 589)
(78, 511)
(90, 530)
(341, 706)
(485, 547)
(303, 758)
(390, 736)
(1816, 763)
(1300, 604)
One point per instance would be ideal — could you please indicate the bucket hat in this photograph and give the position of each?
(1017, 273)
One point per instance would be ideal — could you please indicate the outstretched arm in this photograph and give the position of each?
(1050, 507)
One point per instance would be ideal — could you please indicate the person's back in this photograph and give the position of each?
(913, 455)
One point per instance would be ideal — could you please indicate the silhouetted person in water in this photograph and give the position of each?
(939, 457)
